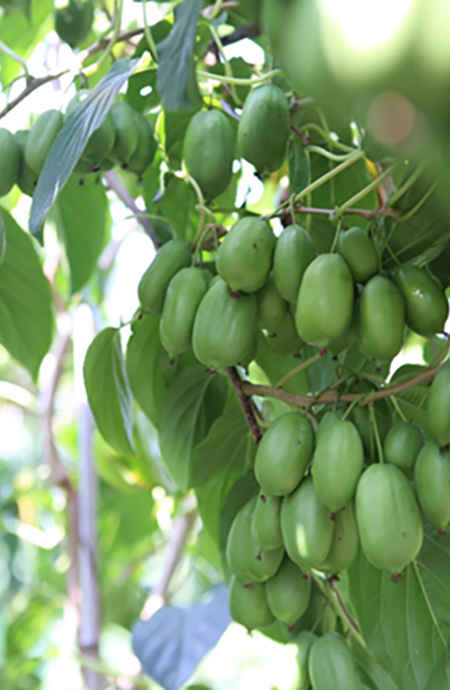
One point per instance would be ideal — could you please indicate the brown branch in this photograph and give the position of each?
(245, 402)
(344, 608)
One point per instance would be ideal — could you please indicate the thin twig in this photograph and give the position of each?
(245, 402)
(369, 214)
(343, 606)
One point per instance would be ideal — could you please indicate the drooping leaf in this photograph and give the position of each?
(176, 204)
(275, 366)
(108, 390)
(194, 400)
(298, 165)
(26, 319)
(372, 673)
(171, 644)
(71, 140)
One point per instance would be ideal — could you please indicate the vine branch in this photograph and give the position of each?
(245, 402)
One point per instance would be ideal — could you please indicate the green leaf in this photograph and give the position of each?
(71, 140)
(144, 367)
(275, 366)
(175, 126)
(177, 81)
(372, 673)
(218, 462)
(413, 401)
(193, 402)
(108, 390)
(298, 165)
(83, 214)
(26, 319)
(177, 204)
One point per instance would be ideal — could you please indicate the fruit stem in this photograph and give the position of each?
(420, 203)
(398, 408)
(373, 419)
(325, 135)
(406, 185)
(226, 64)
(331, 156)
(14, 56)
(352, 405)
(366, 190)
(240, 81)
(148, 33)
(304, 365)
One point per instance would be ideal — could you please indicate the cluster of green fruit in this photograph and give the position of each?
(125, 138)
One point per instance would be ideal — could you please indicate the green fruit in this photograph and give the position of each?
(294, 252)
(127, 133)
(326, 424)
(317, 615)
(248, 605)
(426, 306)
(101, 142)
(263, 129)
(225, 327)
(245, 256)
(285, 339)
(288, 592)
(10, 157)
(184, 294)
(389, 524)
(432, 479)
(240, 544)
(358, 250)
(331, 664)
(271, 306)
(304, 642)
(41, 137)
(337, 465)
(264, 563)
(145, 152)
(439, 406)
(348, 337)
(381, 319)
(73, 21)
(344, 546)
(208, 151)
(325, 301)
(307, 527)
(27, 179)
(402, 445)
(171, 258)
(266, 522)
(284, 453)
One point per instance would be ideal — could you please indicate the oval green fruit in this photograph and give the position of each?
(325, 301)
(285, 338)
(432, 480)
(426, 306)
(225, 327)
(145, 152)
(389, 524)
(184, 294)
(171, 258)
(266, 522)
(263, 129)
(284, 453)
(127, 133)
(326, 423)
(245, 256)
(248, 605)
(41, 137)
(438, 407)
(10, 156)
(27, 179)
(288, 592)
(294, 252)
(381, 319)
(337, 465)
(331, 664)
(271, 306)
(306, 526)
(73, 21)
(304, 642)
(402, 445)
(208, 151)
(347, 338)
(357, 248)
(240, 544)
(344, 546)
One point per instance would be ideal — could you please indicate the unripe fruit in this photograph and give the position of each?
(41, 137)
(381, 319)
(438, 409)
(101, 142)
(240, 543)
(344, 546)
(358, 250)
(337, 465)
(225, 327)
(263, 129)
(266, 522)
(326, 423)
(306, 526)
(208, 151)
(284, 453)
(288, 592)
(331, 664)
(426, 306)
(184, 294)
(146, 149)
(389, 524)
(347, 338)
(248, 605)
(402, 445)
(27, 179)
(285, 338)
(127, 134)
(319, 615)
(294, 252)
(245, 256)
(271, 306)
(171, 258)
(304, 643)
(325, 301)
(10, 158)
(73, 21)
(432, 479)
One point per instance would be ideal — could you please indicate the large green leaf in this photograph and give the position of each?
(194, 400)
(108, 390)
(275, 366)
(177, 205)
(26, 319)
(83, 215)
(373, 675)
(224, 456)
